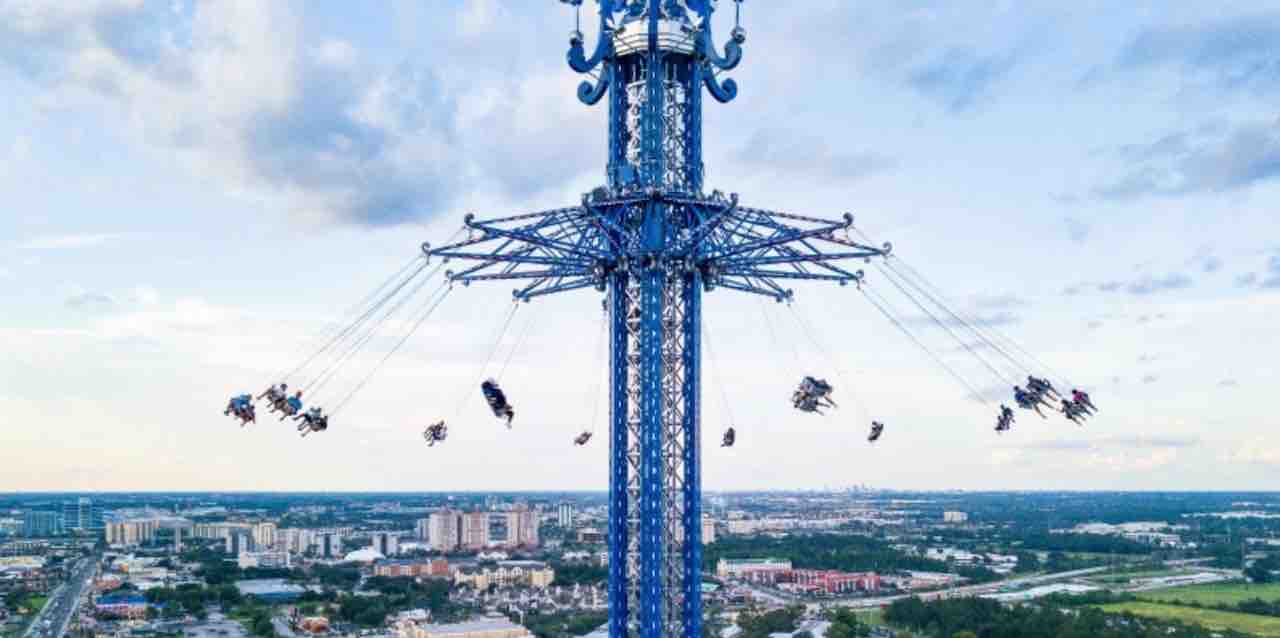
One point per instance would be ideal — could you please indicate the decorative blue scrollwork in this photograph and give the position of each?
(590, 93)
(722, 92)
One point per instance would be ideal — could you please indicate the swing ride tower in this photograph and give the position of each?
(655, 242)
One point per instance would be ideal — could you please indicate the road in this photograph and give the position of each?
(52, 621)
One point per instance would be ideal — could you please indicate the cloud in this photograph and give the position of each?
(1148, 358)
(1149, 379)
(1204, 161)
(1228, 383)
(54, 242)
(236, 92)
(1125, 442)
(1258, 451)
(1140, 287)
(1149, 285)
(1211, 264)
(960, 78)
(999, 302)
(1077, 231)
(1145, 319)
(789, 151)
(90, 301)
(1247, 279)
(1232, 54)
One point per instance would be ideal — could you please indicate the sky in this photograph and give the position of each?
(192, 191)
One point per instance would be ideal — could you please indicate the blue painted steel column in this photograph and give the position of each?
(692, 604)
(618, 441)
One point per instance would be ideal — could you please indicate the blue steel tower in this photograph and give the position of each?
(654, 241)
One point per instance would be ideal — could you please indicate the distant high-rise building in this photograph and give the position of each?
(708, 530)
(564, 515)
(422, 529)
(329, 544)
(177, 540)
(131, 532)
(475, 530)
(526, 528)
(264, 534)
(386, 544)
(40, 524)
(955, 517)
(239, 541)
(445, 530)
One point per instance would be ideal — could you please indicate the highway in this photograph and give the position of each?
(52, 621)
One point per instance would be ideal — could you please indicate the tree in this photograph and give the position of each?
(964, 634)
(1260, 571)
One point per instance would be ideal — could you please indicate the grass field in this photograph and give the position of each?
(1214, 593)
(1209, 618)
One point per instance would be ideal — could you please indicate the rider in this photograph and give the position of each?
(1081, 398)
(247, 415)
(275, 392)
(1073, 412)
(237, 404)
(497, 401)
(876, 429)
(1005, 421)
(293, 405)
(320, 424)
(1041, 386)
(308, 418)
(730, 436)
(582, 439)
(435, 432)
(1027, 400)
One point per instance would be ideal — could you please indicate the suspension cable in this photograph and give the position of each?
(1017, 367)
(524, 333)
(1000, 376)
(439, 298)
(355, 346)
(773, 337)
(884, 307)
(363, 318)
(831, 359)
(462, 400)
(939, 297)
(715, 370)
(331, 328)
(593, 396)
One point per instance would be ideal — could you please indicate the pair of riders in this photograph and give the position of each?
(1035, 395)
(1079, 407)
(312, 420)
(242, 407)
(1005, 420)
(497, 400)
(435, 433)
(278, 397)
(812, 395)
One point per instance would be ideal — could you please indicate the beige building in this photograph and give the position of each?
(522, 573)
(264, 535)
(444, 534)
(130, 533)
(486, 628)
(708, 530)
(475, 530)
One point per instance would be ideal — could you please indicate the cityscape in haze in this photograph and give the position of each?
(639, 319)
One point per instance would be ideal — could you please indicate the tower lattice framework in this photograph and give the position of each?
(655, 242)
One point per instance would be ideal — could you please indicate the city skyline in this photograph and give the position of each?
(197, 187)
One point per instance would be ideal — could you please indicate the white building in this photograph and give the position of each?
(955, 517)
(564, 515)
